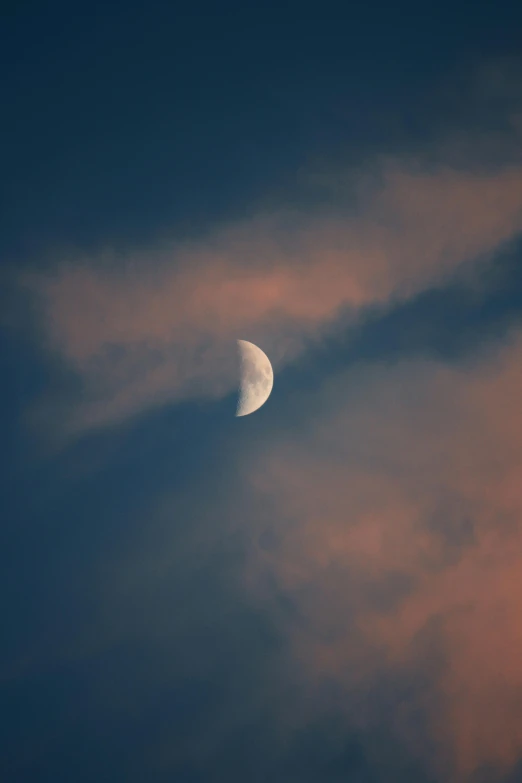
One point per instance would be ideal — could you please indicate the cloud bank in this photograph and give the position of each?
(395, 534)
(375, 536)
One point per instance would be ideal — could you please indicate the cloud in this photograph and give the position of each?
(361, 558)
(395, 534)
(159, 325)
(354, 568)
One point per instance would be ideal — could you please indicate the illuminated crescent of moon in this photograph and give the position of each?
(257, 378)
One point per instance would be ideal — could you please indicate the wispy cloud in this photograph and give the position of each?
(160, 325)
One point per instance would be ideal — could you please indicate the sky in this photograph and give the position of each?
(326, 590)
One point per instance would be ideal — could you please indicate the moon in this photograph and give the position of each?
(257, 378)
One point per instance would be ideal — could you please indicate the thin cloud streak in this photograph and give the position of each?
(160, 326)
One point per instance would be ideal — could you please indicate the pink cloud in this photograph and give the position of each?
(397, 508)
(161, 325)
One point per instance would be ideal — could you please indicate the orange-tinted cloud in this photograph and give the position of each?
(161, 325)
(397, 537)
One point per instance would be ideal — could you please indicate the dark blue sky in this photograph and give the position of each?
(120, 121)
(153, 627)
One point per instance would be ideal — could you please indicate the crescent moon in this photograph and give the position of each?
(257, 378)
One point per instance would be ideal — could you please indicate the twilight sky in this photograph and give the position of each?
(330, 589)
